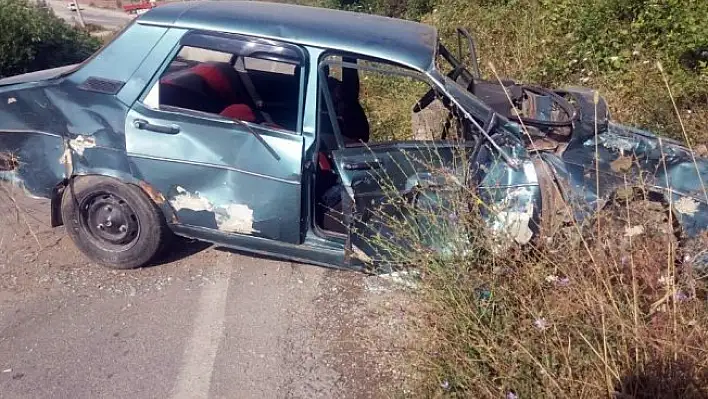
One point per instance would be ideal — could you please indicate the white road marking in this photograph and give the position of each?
(194, 380)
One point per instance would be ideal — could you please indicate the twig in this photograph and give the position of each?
(20, 212)
(595, 100)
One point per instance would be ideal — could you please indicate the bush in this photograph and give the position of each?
(409, 9)
(33, 39)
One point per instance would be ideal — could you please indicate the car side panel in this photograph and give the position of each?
(39, 176)
(63, 126)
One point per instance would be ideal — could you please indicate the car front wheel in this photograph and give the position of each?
(113, 223)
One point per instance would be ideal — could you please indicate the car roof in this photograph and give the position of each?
(404, 42)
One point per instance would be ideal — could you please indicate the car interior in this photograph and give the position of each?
(241, 88)
(355, 130)
(345, 91)
(266, 92)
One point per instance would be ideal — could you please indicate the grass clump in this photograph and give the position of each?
(568, 321)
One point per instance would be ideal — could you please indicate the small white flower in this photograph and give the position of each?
(551, 278)
(541, 324)
(633, 231)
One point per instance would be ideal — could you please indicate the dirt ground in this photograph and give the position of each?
(205, 323)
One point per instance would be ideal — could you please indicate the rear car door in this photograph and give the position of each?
(227, 158)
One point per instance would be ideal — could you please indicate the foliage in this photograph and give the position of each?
(611, 33)
(609, 45)
(387, 101)
(33, 38)
(409, 9)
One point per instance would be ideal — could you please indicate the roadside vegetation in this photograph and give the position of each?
(33, 39)
(611, 307)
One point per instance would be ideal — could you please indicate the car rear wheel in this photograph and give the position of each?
(113, 223)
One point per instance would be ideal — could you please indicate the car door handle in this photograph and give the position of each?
(145, 125)
(362, 165)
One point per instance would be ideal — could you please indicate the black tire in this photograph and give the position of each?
(113, 223)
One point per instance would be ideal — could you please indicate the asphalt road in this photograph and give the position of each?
(110, 19)
(207, 323)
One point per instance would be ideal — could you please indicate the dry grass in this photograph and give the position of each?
(595, 310)
(560, 321)
(607, 308)
(387, 101)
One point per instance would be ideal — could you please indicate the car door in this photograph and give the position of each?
(376, 175)
(198, 137)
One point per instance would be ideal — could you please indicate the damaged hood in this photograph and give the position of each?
(644, 158)
(38, 76)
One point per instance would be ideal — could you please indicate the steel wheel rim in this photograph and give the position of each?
(110, 221)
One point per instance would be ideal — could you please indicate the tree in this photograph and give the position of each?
(33, 39)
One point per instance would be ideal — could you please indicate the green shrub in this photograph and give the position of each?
(409, 9)
(33, 39)
(611, 33)
(610, 45)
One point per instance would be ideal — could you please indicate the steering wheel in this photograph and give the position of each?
(429, 97)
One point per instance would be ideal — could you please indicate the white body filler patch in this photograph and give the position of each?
(80, 143)
(235, 218)
(187, 200)
(232, 218)
(686, 206)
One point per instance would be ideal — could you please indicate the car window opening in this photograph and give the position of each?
(253, 89)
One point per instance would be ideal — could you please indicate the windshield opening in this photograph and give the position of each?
(458, 82)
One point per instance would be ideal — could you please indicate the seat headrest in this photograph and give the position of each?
(241, 112)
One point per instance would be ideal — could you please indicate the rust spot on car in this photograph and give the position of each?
(159, 199)
(153, 193)
(8, 162)
(621, 164)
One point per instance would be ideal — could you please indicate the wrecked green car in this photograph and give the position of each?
(240, 124)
